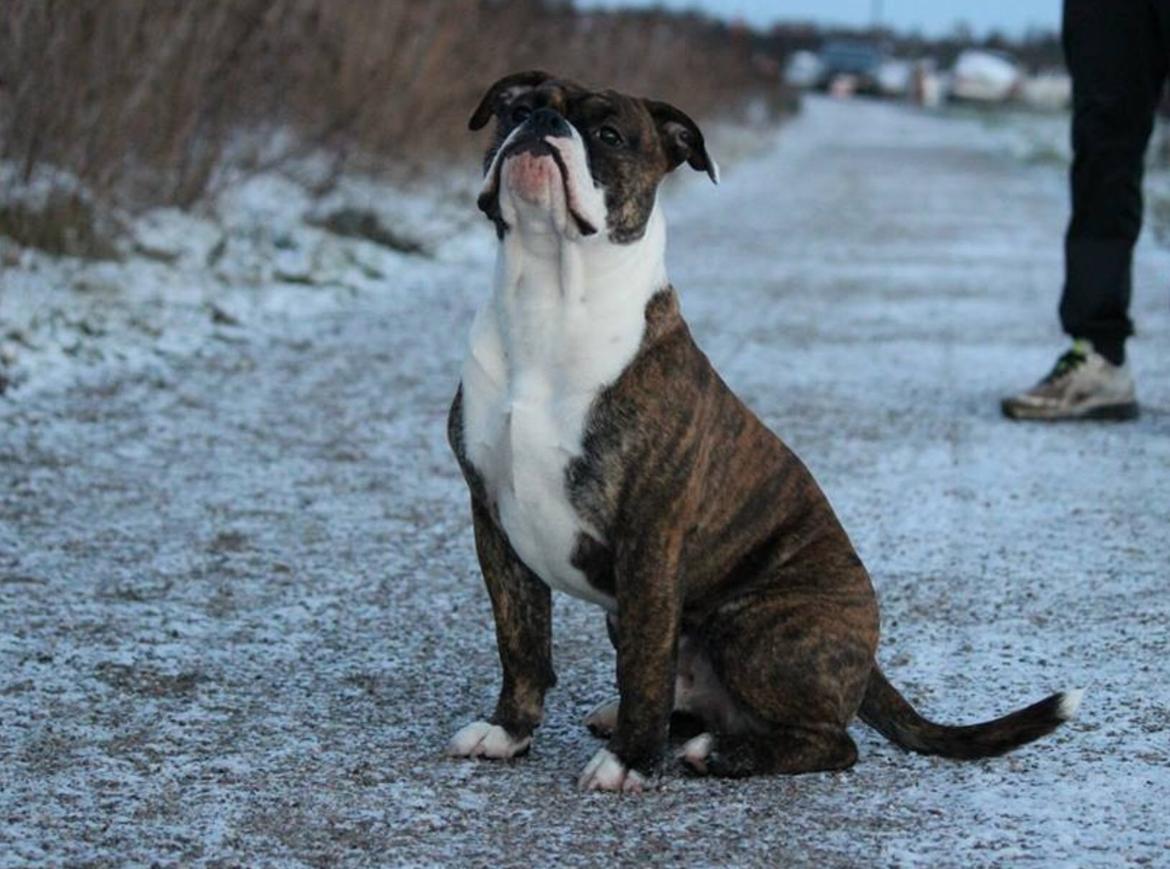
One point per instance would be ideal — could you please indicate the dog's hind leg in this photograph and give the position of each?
(796, 665)
(787, 750)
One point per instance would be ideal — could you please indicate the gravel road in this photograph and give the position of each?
(240, 612)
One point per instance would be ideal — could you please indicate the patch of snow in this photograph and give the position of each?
(185, 278)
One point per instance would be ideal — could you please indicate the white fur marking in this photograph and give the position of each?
(696, 751)
(634, 783)
(565, 318)
(587, 199)
(481, 739)
(1070, 703)
(606, 773)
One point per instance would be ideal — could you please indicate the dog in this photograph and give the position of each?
(605, 458)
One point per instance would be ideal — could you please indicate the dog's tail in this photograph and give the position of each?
(888, 712)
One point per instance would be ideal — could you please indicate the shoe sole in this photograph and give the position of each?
(1102, 413)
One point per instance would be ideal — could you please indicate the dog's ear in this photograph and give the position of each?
(682, 138)
(503, 92)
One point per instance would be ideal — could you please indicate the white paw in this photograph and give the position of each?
(606, 773)
(481, 739)
(602, 721)
(694, 753)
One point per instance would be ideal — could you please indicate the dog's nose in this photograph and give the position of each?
(548, 122)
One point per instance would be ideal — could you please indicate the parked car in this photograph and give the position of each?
(855, 59)
(894, 77)
(984, 76)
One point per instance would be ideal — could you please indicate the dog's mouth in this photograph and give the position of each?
(537, 148)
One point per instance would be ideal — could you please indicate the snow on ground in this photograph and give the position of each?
(265, 252)
(240, 613)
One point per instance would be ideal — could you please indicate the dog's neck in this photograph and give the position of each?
(576, 306)
(538, 265)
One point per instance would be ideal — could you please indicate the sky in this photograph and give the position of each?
(931, 17)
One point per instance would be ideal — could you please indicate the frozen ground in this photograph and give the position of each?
(240, 613)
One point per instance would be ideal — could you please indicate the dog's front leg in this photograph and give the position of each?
(649, 602)
(522, 607)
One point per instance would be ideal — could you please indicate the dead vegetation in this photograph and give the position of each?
(149, 102)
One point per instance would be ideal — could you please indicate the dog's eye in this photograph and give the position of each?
(610, 136)
(520, 114)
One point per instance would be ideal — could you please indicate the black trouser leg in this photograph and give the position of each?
(1115, 50)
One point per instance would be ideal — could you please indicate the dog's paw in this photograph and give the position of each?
(602, 721)
(481, 739)
(606, 773)
(696, 751)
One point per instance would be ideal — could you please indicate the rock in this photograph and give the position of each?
(221, 317)
(262, 205)
(366, 224)
(171, 235)
(294, 264)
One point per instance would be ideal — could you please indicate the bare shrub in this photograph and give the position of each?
(62, 223)
(126, 92)
(145, 101)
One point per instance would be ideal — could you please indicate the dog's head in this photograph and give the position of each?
(582, 162)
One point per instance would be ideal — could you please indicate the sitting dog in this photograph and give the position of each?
(606, 459)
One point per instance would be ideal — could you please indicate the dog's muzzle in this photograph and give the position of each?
(532, 137)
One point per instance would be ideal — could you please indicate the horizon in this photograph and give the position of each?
(936, 19)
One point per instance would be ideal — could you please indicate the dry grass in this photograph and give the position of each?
(145, 101)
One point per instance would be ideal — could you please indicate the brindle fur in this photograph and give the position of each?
(722, 535)
(711, 534)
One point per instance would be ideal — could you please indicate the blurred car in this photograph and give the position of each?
(803, 70)
(984, 76)
(894, 77)
(855, 59)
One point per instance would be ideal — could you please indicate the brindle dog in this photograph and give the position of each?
(632, 476)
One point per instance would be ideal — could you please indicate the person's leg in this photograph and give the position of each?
(1117, 58)
(1116, 55)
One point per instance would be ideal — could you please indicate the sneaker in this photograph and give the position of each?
(1082, 385)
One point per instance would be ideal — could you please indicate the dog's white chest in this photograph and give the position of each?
(538, 358)
(521, 436)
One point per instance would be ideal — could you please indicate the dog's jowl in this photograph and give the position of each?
(606, 459)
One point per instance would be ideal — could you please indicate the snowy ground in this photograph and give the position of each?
(240, 613)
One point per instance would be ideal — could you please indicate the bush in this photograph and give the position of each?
(148, 102)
